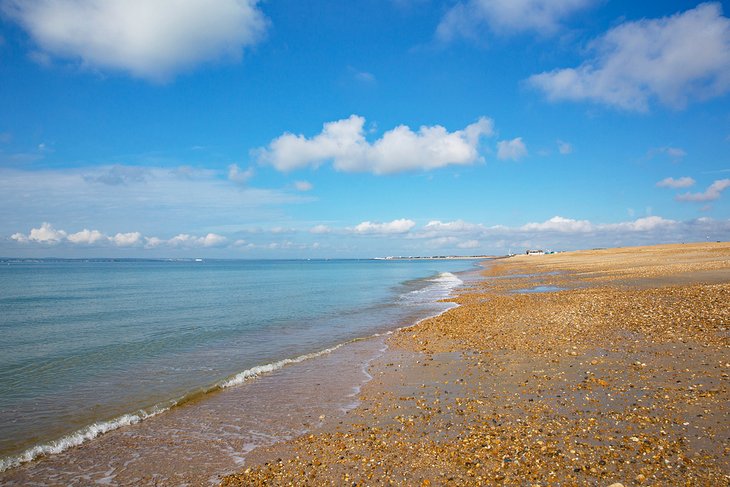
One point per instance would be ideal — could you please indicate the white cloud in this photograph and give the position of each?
(149, 39)
(320, 229)
(683, 182)
(713, 192)
(507, 17)
(456, 226)
(237, 175)
(303, 185)
(362, 76)
(565, 148)
(513, 149)
(213, 240)
(153, 242)
(394, 227)
(400, 149)
(86, 236)
(46, 234)
(674, 153)
(640, 225)
(560, 224)
(126, 239)
(674, 59)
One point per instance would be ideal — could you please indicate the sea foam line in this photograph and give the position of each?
(78, 437)
(96, 429)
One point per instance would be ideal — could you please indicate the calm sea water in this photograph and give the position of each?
(87, 347)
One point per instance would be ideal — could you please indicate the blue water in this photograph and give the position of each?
(84, 343)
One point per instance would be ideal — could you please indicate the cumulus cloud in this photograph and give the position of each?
(151, 40)
(126, 239)
(713, 192)
(394, 227)
(672, 59)
(87, 236)
(559, 224)
(683, 182)
(186, 240)
(303, 185)
(237, 175)
(456, 226)
(400, 149)
(513, 149)
(45, 234)
(504, 17)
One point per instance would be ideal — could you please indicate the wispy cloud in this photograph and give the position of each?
(303, 185)
(713, 192)
(683, 182)
(514, 149)
(238, 175)
(505, 17)
(151, 40)
(674, 153)
(362, 76)
(148, 199)
(564, 148)
(675, 60)
(401, 149)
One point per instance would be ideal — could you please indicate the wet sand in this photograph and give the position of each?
(616, 373)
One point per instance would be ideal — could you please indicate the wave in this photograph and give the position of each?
(440, 287)
(96, 429)
(254, 372)
(81, 436)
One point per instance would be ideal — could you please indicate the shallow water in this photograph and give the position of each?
(91, 346)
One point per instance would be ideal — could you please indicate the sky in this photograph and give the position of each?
(319, 129)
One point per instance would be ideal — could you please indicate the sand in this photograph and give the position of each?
(615, 372)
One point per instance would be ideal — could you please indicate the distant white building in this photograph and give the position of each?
(535, 252)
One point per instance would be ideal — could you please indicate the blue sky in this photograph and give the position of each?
(355, 129)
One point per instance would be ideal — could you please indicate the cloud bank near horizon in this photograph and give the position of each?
(557, 233)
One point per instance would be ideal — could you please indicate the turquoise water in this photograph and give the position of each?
(90, 346)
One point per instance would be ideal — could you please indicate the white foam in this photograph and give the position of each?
(444, 283)
(254, 372)
(78, 437)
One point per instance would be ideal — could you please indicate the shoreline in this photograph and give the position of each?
(148, 434)
(618, 372)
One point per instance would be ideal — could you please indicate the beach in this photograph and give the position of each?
(590, 367)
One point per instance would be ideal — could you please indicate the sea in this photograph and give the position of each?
(127, 372)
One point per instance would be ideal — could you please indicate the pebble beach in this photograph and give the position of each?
(599, 367)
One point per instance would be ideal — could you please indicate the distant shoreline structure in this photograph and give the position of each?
(437, 257)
